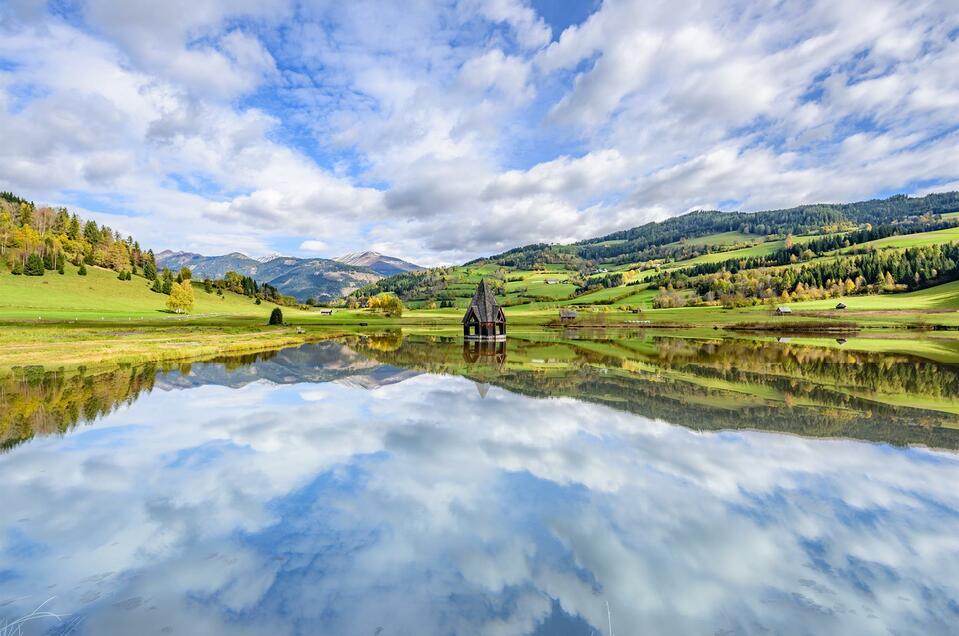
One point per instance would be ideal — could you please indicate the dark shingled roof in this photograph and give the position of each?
(483, 304)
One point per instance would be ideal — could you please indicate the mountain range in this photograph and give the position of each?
(302, 278)
(379, 263)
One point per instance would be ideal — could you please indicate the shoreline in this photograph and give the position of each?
(71, 346)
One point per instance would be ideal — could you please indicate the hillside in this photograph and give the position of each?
(319, 278)
(100, 295)
(379, 263)
(714, 258)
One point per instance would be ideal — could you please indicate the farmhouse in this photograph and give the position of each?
(567, 314)
(782, 311)
(484, 318)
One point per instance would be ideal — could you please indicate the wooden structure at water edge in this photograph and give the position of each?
(484, 318)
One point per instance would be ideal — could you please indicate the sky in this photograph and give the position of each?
(442, 131)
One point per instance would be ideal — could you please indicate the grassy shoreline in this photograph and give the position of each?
(72, 346)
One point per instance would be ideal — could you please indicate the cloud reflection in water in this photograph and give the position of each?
(421, 508)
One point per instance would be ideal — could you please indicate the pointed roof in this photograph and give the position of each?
(483, 304)
(482, 388)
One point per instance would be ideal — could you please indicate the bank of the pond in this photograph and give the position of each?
(70, 347)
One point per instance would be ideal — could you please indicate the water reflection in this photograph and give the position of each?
(341, 488)
(704, 384)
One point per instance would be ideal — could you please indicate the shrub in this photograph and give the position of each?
(83, 270)
(276, 316)
(34, 266)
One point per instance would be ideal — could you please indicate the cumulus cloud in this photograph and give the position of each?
(368, 123)
(313, 246)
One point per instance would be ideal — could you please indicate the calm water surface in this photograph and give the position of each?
(390, 486)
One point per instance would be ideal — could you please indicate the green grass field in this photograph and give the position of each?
(948, 235)
(722, 238)
(100, 295)
(944, 296)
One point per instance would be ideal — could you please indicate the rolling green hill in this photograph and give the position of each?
(702, 259)
(100, 295)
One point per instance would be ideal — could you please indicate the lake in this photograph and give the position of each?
(563, 484)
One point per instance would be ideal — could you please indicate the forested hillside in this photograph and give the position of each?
(36, 239)
(709, 257)
(41, 240)
(658, 240)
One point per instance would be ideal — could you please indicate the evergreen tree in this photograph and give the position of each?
(149, 269)
(91, 232)
(157, 286)
(276, 316)
(34, 265)
(73, 228)
(168, 286)
(83, 270)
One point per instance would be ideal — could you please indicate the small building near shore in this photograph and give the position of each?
(484, 318)
(326, 312)
(841, 306)
(567, 314)
(783, 311)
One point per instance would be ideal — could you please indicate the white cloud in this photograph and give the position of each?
(371, 122)
(313, 246)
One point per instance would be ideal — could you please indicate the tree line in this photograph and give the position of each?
(655, 240)
(37, 239)
(865, 273)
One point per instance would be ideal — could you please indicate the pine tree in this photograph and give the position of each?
(157, 286)
(73, 229)
(276, 316)
(34, 266)
(83, 270)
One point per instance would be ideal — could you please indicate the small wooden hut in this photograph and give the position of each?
(484, 318)
(783, 311)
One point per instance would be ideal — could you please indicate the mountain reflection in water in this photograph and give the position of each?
(703, 384)
(390, 485)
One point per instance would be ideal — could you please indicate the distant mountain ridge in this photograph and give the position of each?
(379, 263)
(302, 278)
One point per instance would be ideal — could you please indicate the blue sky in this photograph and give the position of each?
(440, 131)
